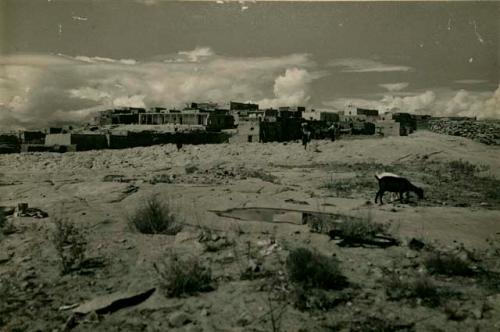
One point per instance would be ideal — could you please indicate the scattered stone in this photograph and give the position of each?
(130, 189)
(294, 201)
(115, 178)
(415, 244)
(243, 320)
(486, 132)
(178, 319)
(68, 307)
(5, 257)
(184, 236)
(477, 313)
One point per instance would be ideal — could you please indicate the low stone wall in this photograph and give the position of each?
(145, 138)
(486, 131)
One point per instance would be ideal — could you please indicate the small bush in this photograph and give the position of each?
(462, 168)
(421, 288)
(360, 230)
(313, 270)
(448, 265)
(319, 299)
(155, 217)
(376, 324)
(70, 244)
(184, 276)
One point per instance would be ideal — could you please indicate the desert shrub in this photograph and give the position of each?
(376, 324)
(70, 244)
(421, 287)
(493, 193)
(260, 174)
(318, 299)
(360, 230)
(461, 168)
(155, 217)
(181, 276)
(448, 264)
(311, 269)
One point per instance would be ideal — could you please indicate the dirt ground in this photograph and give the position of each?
(98, 190)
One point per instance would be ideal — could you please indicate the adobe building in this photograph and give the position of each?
(123, 115)
(363, 113)
(247, 132)
(189, 117)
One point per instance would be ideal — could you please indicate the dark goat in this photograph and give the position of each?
(396, 184)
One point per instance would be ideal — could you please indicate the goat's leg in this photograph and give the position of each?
(380, 194)
(401, 196)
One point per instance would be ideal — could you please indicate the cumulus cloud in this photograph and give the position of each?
(291, 88)
(395, 87)
(483, 105)
(410, 103)
(43, 90)
(355, 65)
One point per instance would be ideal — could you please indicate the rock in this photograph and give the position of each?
(178, 319)
(411, 254)
(204, 312)
(244, 319)
(193, 328)
(5, 257)
(494, 302)
(415, 244)
(184, 236)
(477, 313)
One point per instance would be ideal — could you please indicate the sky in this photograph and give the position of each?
(62, 60)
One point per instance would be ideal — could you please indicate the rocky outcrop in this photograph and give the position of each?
(486, 131)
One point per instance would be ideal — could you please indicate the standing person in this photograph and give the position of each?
(332, 132)
(306, 135)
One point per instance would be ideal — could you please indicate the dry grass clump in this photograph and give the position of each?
(70, 244)
(448, 265)
(155, 217)
(461, 168)
(361, 230)
(376, 324)
(312, 269)
(314, 275)
(184, 276)
(347, 187)
(420, 288)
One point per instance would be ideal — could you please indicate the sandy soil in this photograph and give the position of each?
(199, 180)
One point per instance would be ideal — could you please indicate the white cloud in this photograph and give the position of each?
(395, 87)
(42, 90)
(291, 88)
(410, 103)
(354, 65)
(441, 102)
(197, 54)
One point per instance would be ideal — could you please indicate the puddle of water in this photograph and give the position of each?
(274, 215)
